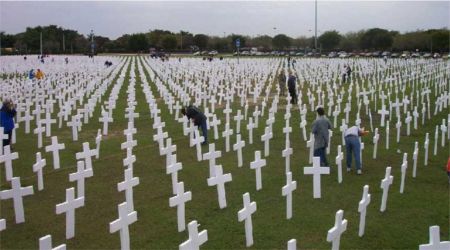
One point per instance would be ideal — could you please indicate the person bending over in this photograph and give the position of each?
(196, 115)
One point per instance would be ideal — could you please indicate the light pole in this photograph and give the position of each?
(92, 44)
(315, 27)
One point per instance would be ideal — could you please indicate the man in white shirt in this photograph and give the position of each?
(353, 144)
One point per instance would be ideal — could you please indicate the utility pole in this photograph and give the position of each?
(315, 27)
(64, 44)
(92, 44)
(41, 43)
(181, 39)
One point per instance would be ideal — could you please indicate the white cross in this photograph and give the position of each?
(408, 120)
(127, 186)
(69, 207)
(246, 214)
(436, 138)
(266, 139)
(316, 170)
(443, 130)
(287, 130)
(179, 201)
(54, 148)
(125, 219)
(37, 167)
(435, 241)
(403, 170)
(292, 244)
(98, 140)
(226, 134)
(339, 158)
(168, 150)
(39, 130)
(173, 169)
(196, 239)
(129, 160)
(342, 128)
(215, 122)
(16, 193)
(256, 114)
(238, 147)
(286, 153)
(238, 118)
(387, 135)
(415, 115)
(80, 177)
(250, 127)
(27, 118)
(385, 183)
(198, 140)
(415, 157)
(257, 164)
(129, 143)
(362, 208)
(227, 112)
(48, 121)
(383, 112)
(160, 136)
(398, 125)
(287, 191)
(45, 243)
(74, 123)
(334, 234)
(2, 224)
(219, 180)
(212, 155)
(310, 145)
(376, 137)
(105, 119)
(303, 127)
(86, 155)
(7, 159)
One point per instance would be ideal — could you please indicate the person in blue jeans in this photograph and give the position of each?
(199, 119)
(353, 145)
(7, 114)
(320, 129)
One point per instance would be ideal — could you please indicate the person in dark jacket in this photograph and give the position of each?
(196, 115)
(320, 129)
(292, 88)
(7, 114)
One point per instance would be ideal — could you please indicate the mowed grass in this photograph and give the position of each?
(404, 225)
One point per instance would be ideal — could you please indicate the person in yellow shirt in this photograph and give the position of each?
(39, 74)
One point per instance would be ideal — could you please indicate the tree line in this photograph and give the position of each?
(57, 40)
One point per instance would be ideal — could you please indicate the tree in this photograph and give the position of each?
(7, 40)
(261, 42)
(377, 39)
(281, 41)
(138, 42)
(329, 40)
(201, 41)
(169, 41)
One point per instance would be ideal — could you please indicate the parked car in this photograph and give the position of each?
(213, 53)
(332, 54)
(395, 55)
(386, 54)
(436, 55)
(299, 54)
(427, 55)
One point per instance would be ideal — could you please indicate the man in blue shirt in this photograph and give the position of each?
(7, 114)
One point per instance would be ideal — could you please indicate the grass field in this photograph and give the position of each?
(404, 225)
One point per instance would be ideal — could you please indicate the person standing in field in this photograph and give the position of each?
(282, 83)
(196, 115)
(7, 114)
(353, 145)
(40, 74)
(292, 87)
(320, 129)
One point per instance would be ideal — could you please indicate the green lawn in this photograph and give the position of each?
(404, 225)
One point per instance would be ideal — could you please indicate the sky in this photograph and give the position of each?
(293, 18)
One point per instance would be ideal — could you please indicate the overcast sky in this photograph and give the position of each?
(112, 19)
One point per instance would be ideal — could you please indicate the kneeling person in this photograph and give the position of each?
(193, 113)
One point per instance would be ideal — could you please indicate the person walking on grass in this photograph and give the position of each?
(353, 145)
(282, 83)
(196, 115)
(320, 129)
(7, 114)
(292, 85)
